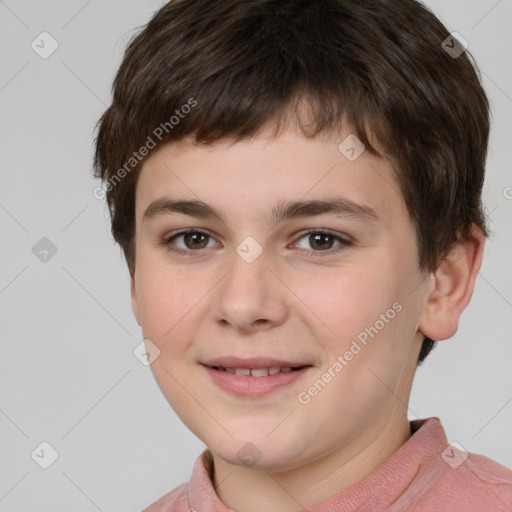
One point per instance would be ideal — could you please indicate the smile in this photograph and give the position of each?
(256, 372)
(255, 382)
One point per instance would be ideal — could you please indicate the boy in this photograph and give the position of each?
(327, 159)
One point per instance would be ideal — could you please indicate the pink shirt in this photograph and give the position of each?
(425, 474)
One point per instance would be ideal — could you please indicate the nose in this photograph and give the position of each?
(250, 297)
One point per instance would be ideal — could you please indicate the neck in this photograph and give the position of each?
(250, 490)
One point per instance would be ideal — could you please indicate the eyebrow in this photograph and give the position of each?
(339, 206)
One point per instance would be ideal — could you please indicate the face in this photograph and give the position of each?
(329, 287)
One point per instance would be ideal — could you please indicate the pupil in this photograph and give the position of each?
(194, 238)
(318, 238)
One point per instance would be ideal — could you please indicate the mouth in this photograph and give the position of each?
(259, 372)
(255, 380)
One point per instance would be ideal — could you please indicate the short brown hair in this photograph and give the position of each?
(376, 66)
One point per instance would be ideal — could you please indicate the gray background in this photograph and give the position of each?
(68, 375)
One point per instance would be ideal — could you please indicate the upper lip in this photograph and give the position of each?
(252, 362)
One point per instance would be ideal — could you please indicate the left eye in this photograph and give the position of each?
(322, 241)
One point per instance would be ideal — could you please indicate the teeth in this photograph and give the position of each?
(256, 372)
(259, 372)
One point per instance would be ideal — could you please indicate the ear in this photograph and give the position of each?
(452, 285)
(135, 300)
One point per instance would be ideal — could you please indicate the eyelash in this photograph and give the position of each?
(344, 242)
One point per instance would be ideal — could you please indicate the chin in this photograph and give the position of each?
(257, 452)
(251, 458)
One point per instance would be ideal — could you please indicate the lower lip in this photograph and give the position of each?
(244, 385)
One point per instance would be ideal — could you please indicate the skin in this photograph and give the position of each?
(289, 304)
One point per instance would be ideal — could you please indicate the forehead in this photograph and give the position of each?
(256, 177)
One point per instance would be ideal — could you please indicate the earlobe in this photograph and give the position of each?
(135, 300)
(453, 282)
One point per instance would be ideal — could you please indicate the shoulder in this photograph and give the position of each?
(474, 483)
(174, 501)
(488, 469)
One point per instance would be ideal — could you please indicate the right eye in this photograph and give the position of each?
(192, 241)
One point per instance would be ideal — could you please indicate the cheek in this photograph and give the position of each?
(170, 305)
(361, 317)
(165, 297)
(346, 301)
(375, 324)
